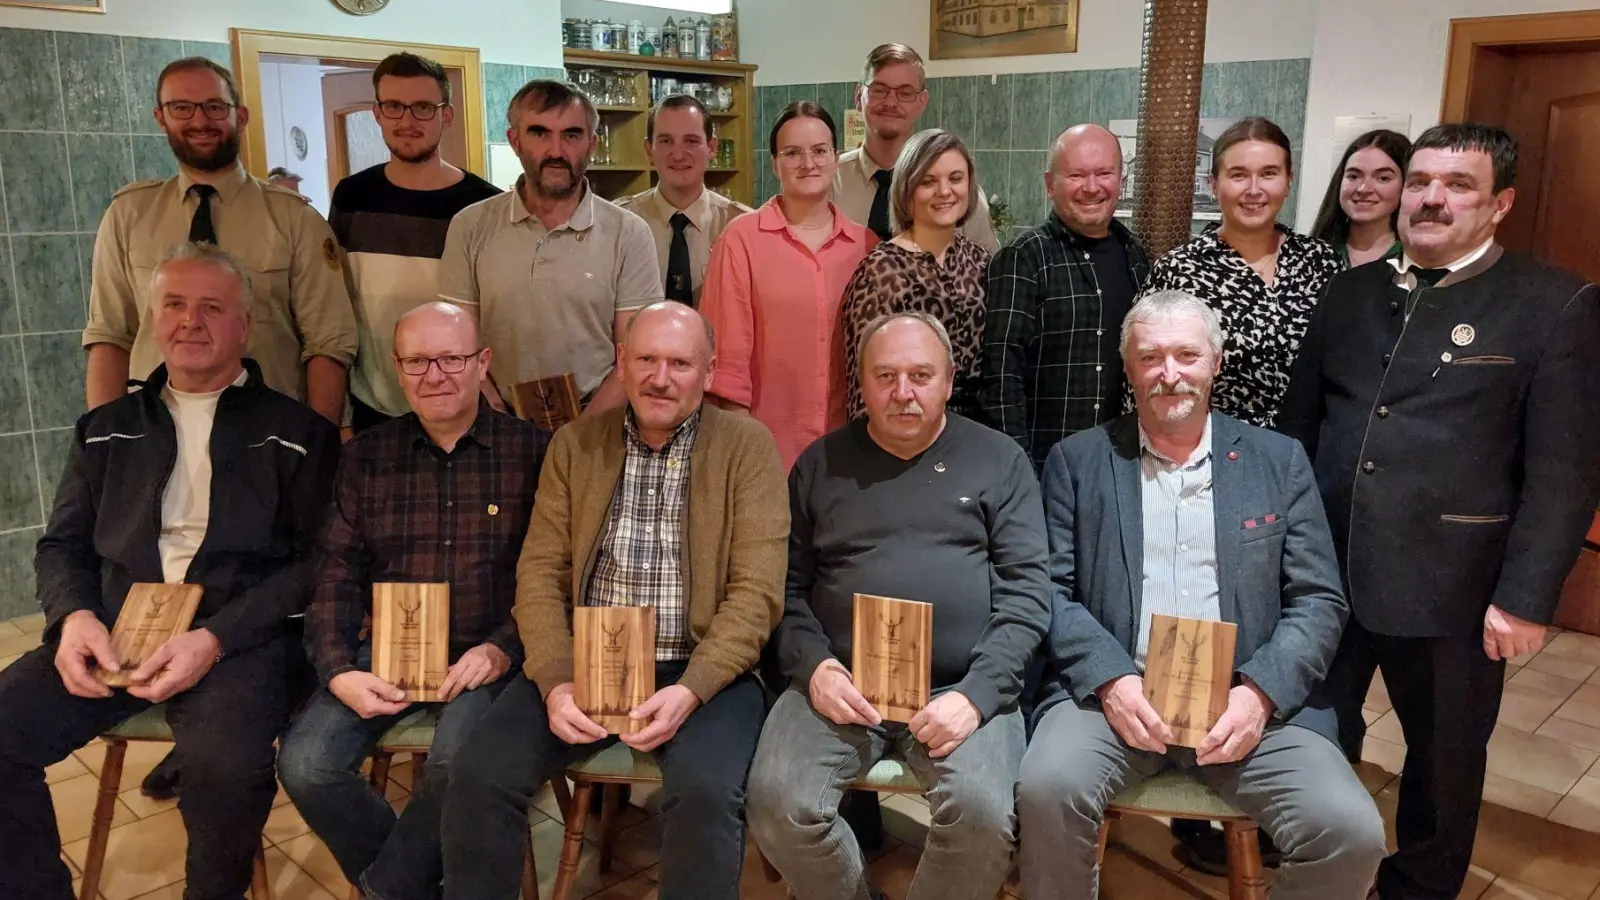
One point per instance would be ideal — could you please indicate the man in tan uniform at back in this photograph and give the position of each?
(304, 331)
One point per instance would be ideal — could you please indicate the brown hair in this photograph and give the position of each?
(885, 54)
(410, 65)
(194, 64)
(802, 109)
(1254, 128)
(1333, 223)
(677, 101)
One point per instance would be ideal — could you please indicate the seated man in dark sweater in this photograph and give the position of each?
(918, 504)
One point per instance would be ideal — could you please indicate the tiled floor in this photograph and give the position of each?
(1538, 838)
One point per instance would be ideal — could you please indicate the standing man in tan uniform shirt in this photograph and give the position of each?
(304, 330)
(893, 95)
(684, 216)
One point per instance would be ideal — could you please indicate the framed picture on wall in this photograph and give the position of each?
(963, 29)
(88, 6)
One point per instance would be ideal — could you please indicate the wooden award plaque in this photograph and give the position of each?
(411, 637)
(151, 615)
(891, 655)
(1188, 671)
(614, 663)
(548, 402)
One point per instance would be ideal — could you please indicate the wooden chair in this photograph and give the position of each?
(1175, 795)
(414, 735)
(150, 725)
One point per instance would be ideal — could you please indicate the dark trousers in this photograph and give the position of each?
(1446, 694)
(513, 752)
(225, 724)
(363, 416)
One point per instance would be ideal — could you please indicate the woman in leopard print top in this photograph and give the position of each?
(928, 266)
(1261, 278)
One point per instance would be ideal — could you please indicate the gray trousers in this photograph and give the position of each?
(799, 775)
(1296, 785)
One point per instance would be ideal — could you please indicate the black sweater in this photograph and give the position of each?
(960, 526)
(273, 460)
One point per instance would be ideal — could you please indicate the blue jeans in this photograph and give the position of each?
(320, 766)
(800, 773)
(703, 769)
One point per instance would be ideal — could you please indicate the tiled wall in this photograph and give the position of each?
(1009, 121)
(75, 126)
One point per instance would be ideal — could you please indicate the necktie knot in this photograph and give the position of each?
(202, 191)
(1427, 277)
(883, 177)
(679, 222)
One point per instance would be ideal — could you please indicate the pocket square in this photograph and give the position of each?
(1267, 519)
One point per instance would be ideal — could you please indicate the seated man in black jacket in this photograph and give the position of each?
(138, 503)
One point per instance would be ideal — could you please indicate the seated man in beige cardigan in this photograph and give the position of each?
(630, 503)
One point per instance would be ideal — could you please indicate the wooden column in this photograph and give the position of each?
(1169, 121)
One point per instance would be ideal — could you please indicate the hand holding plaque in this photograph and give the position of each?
(891, 655)
(614, 663)
(1188, 672)
(411, 637)
(547, 402)
(151, 615)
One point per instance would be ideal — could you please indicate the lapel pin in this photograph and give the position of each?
(1462, 335)
(1445, 357)
(1233, 456)
(494, 509)
(938, 467)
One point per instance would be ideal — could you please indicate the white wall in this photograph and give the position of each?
(1383, 56)
(783, 37)
(292, 97)
(511, 31)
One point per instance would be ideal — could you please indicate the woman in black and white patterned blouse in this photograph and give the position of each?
(1263, 279)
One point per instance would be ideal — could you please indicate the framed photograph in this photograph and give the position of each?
(88, 6)
(963, 29)
(1205, 202)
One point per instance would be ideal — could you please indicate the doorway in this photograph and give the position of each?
(1539, 77)
(312, 99)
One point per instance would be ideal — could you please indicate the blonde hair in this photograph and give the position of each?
(921, 151)
(885, 54)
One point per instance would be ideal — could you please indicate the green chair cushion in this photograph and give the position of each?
(1175, 794)
(414, 731)
(150, 725)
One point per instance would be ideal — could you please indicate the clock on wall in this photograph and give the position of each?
(361, 7)
(301, 145)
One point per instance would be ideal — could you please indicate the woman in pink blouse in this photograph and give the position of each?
(774, 287)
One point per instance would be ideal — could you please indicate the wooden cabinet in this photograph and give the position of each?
(620, 85)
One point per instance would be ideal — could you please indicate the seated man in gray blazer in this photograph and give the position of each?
(1185, 512)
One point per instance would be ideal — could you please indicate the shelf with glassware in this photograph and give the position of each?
(624, 87)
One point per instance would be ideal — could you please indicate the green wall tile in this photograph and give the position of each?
(55, 375)
(13, 387)
(1025, 175)
(142, 62)
(1033, 123)
(500, 83)
(50, 295)
(219, 53)
(52, 448)
(152, 157)
(96, 90)
(30, 87)
(1071, 100)
(957, 108)
(38, 196)
(992, 102)
(101, 165)
(19, 483)
(1116, 94)
(16, 573)
(10, 319)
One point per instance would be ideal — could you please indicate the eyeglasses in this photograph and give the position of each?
(421, 111)
(794, 157)
(215, 110)
(451, 364)
(881, 92)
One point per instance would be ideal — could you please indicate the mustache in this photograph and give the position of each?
(556, 164)
(1432, 214)
(659, 393)
(1164, 390)
(913, 408)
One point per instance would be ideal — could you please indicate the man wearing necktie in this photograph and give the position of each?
(685, 217)
(304, 332)
(1446, 399)
(893, 95)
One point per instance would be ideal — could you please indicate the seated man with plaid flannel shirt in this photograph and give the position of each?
(441, 495)
(667, 502)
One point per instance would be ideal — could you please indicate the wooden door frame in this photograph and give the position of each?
(250, 45)
(1468, 36)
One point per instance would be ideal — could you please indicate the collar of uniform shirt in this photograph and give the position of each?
(685, 433)
(1202, 450)
(582, 217)
(228, 186)
(1403, 263)
(698, 212)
